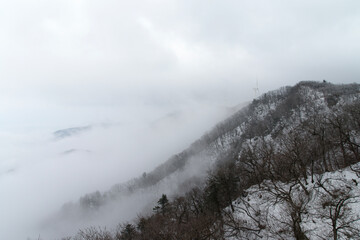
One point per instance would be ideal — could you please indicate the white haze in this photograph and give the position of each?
(124, 66)
(38, 175)
(127, 208)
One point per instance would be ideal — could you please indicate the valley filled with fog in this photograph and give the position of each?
(39, 171)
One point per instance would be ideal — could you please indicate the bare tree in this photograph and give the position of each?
(295, 201)
(248, 225)
(336, 199)
(93, 233)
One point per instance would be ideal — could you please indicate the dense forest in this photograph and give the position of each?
(284, 167)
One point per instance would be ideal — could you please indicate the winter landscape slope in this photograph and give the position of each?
(276, 169)
(268, 210)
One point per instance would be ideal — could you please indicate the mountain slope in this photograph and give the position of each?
(268, 115)
(269, 210)
(288, 135)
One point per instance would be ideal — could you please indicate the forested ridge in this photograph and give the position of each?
(284, 167)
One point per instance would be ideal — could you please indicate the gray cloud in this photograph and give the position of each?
(88, 52)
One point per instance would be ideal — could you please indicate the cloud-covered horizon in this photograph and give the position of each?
(69, 53)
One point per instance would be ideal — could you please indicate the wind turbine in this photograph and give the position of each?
(256, 89)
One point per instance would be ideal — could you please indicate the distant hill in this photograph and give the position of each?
(68, 132)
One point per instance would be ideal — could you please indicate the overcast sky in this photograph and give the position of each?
(64, 57)
(68, 63)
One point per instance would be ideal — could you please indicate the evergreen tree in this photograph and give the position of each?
(162, 204)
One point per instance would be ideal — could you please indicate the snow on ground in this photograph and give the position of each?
(265, 205)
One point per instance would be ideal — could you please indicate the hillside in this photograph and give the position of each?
(286, 143)
(327, 208)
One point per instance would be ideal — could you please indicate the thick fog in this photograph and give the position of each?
(41, 171)
(142, 79)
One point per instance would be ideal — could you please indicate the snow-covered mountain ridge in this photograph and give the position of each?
(287, 137)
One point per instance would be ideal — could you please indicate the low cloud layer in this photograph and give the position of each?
(41, 172)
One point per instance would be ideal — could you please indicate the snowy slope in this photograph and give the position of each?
(265, 209)
(289, 111)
